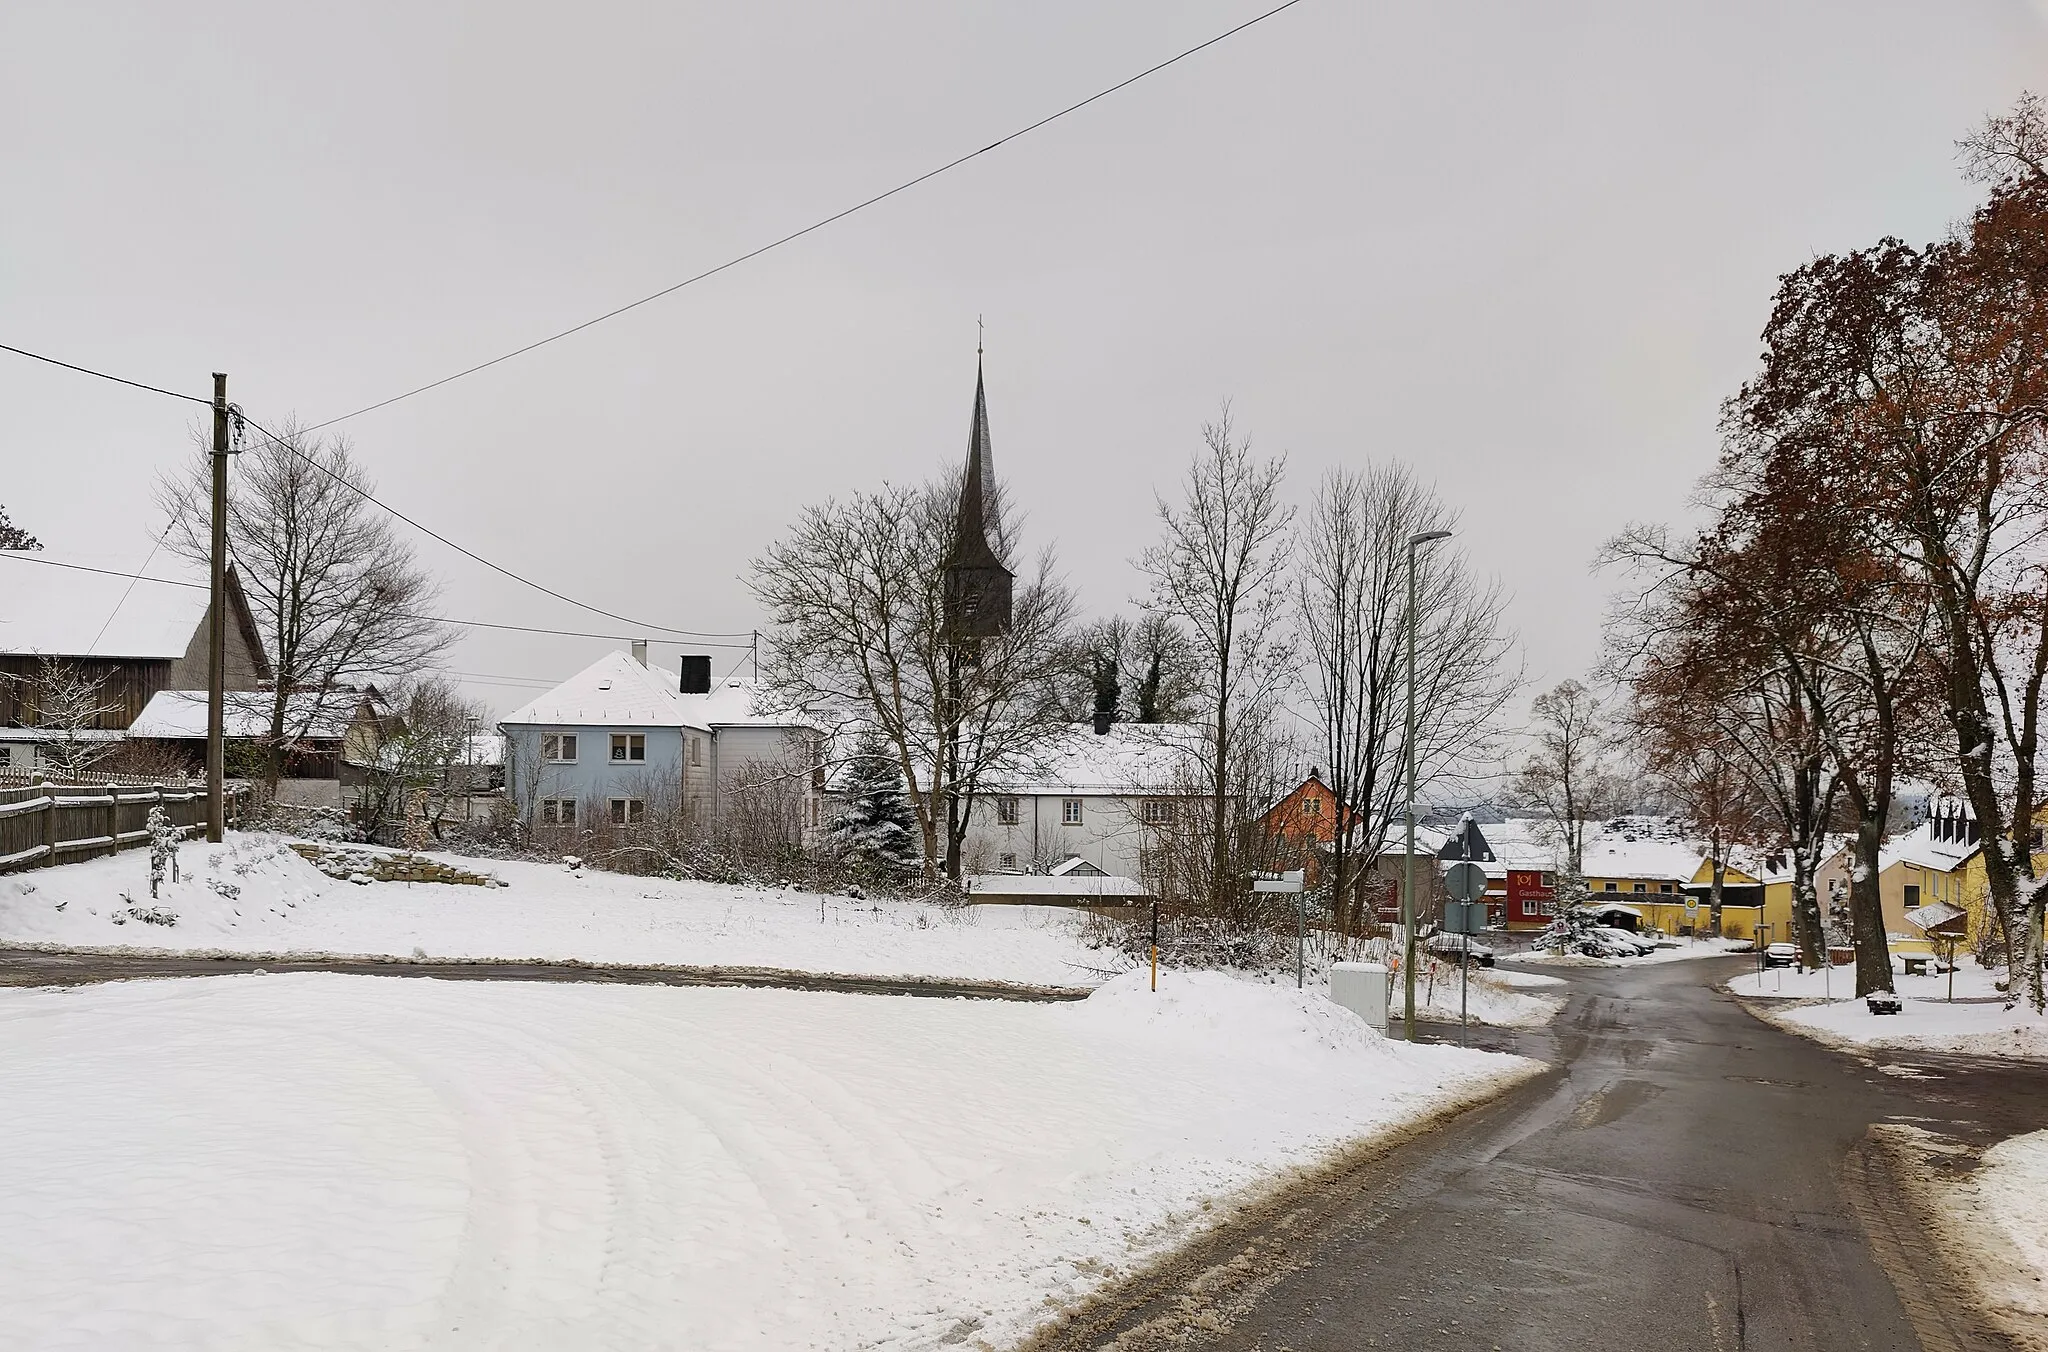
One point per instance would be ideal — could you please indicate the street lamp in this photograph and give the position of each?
(1408, 744)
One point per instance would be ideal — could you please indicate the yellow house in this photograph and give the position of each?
(1656, 876)
(1830, 882)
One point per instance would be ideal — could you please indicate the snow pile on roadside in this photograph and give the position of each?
(254, 895)
(1493, 999)
(1685, 952)
(1991, 1225)
(1978, 1024)
(307, 1159)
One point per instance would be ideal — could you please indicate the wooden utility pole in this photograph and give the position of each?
(217, 624)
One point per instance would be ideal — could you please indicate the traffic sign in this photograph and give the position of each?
(1465, 881)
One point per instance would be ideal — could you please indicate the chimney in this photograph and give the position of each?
(640, 651)
(1103, 718)
(696, 672)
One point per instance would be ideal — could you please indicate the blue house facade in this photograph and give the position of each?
(622, 744)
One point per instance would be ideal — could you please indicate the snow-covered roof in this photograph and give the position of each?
(1075, 865)
(1130, 758)
(50, 604)
(1937, 915)
(1626, 855)
(180, 715)
(618, 691)
(1517, 843)
(1919, 847)
(1071, 887)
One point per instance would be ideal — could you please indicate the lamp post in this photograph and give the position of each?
(1408, 747)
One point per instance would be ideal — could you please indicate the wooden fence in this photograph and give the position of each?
(43, 824)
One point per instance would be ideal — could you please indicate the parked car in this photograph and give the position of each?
(1450, 945)
(1781, 955)
(1634, 944)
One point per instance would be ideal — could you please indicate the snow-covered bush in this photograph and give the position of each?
(163, 849)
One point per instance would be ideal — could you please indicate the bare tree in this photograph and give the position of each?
(856, 592)
(1351, 604)
(68, 707)
(340, 599)
(428, 764)
(1220, 573)
(1568, 776)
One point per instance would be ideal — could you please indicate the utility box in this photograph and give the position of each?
(1362, 988)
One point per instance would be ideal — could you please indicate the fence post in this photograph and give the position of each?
(49, 814)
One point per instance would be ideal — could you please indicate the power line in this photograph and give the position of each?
(387, 507)
(118, 380)
(471, 554)
(438, 619)
(814, 226)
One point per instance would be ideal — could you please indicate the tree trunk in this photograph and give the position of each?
(1866, 910)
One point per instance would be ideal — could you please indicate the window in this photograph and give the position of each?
(628, 811)
(6, 755)
(1547, 908)
(696, 751)
(1006, 812)
(1642, 887)
(1663, 887)
(1159, 811)
(1006, 863)
(1614, 887)
(628, 746)
(1547, 879)
(558, 747)
(1070, 811)
(1311, 807)
(1912, 895)
(558, 811)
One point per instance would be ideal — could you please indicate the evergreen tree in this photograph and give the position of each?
(13, 536)
(877, 829)
(1572, 931)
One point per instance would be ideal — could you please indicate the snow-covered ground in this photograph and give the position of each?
(1686, 951)
(252, 894)
(1978, 1024)
(311, 1160)
(1992, 1226)
(1499, 996)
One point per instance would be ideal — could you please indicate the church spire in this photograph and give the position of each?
(977, 583)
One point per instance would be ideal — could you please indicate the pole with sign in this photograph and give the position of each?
(1465, 916)
(1291, 882)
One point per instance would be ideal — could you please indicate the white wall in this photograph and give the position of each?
(1110, 834)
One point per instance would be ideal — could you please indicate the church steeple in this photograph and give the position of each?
(977, 583)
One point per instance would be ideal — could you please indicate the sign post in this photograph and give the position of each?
(1291, 882)
(1465, 917)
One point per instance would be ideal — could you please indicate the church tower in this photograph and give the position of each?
(977, 583)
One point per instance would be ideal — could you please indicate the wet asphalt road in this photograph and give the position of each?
(1687, 1177)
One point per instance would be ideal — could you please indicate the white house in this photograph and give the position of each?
(622, 739)
(1105, 798)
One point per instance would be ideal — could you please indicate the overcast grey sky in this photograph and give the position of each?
(1527, 247)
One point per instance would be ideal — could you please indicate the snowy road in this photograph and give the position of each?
(1689, 1178)
(311, 1160)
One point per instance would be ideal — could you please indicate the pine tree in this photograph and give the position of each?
(877, 829)
(1572, 931)
(14, 537)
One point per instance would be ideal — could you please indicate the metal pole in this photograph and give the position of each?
(1464, 988)
(1408, 749)
(1155, 943)
(1300, 935)
(217, 622)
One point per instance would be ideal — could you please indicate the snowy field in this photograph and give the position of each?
(310, 1160)
(1979, 1024)
(254, 895)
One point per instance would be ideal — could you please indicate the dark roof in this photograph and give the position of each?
(1467, 842)
(970, 536)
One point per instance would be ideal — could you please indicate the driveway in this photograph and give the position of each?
(1686, 1177)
